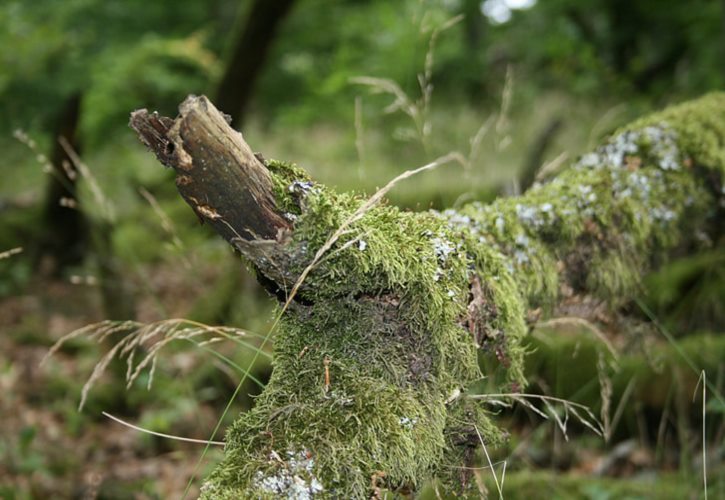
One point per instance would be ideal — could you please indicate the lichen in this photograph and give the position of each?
(372, 363)
(290, 184)
(616, 211)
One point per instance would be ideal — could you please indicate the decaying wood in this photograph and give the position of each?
(219, 176)
(216, 171)
(368, 390)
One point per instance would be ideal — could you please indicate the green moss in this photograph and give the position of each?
(700, 128)
(289, 183)
(371, 360)
(616, 212)
(382, 314)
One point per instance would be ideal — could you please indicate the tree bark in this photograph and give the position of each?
(374, 357)
(535, 157)
(66, 237)
(248, 56)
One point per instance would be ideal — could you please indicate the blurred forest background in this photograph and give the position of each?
(356, 92)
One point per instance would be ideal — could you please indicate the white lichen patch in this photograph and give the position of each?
(438, 274)
(585, 199)
(522, 249)
(294, 479)
(443, 248)
(407, 422)
(529, 215)
(300, 186)
(664, 146)
(533, 216)
(457, 219)
(656, 143)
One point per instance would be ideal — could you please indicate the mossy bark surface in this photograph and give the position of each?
(374, 355)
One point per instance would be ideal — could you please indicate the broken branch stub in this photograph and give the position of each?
(218, 175)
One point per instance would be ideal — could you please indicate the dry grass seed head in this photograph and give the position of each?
(152, 337)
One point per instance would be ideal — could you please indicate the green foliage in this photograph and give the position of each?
(643, 48)
(157, 73)
(318, 54)
(689, 292)
(635, 47)
(525, 484)
(51, 50)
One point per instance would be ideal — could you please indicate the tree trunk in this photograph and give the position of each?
(375, 353)
(535, 157)
(66, 238)
(248, 55)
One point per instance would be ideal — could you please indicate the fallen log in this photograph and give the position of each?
(375, 351)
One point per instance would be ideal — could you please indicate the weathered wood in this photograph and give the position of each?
(218, 175)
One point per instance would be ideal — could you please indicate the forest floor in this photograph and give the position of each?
(50, 449)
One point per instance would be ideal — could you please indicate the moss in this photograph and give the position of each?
(616, 212)
(370, 363)
(290, 183)
(700, 129)
(382, 316)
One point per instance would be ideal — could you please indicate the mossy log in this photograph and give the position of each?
(375, 352)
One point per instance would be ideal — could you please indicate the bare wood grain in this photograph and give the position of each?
(216, 171)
